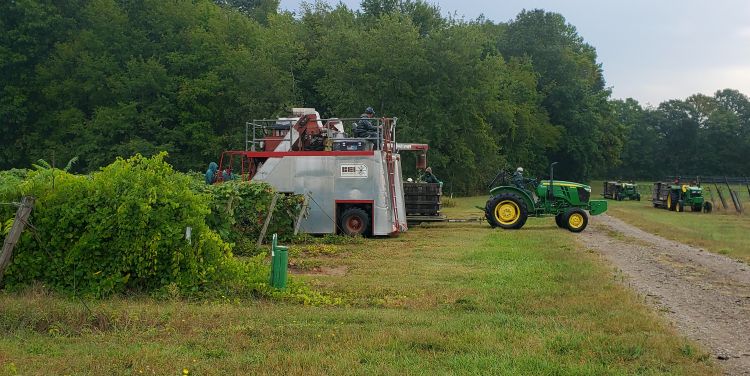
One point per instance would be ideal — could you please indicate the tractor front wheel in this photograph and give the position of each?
(506, 211)
(559, 220)
(355, 221)
(576, 220)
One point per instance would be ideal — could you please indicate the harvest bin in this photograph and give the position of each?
(422, 199)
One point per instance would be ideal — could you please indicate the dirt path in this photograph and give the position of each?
(706, 295)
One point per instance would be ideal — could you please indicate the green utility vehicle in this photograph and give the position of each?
(676, 196)
(616, 190)
(509, 206)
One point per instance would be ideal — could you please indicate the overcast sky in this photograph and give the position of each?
(651, 50)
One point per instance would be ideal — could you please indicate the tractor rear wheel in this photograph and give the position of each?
(355, 221)
(507, 211)
(672, 201)
(576, 220)
(559, 220)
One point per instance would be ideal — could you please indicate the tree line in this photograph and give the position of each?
(699, 136)
(99, 79)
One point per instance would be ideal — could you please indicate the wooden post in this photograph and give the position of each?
(721, 197)
(733, 195)
(19, 223)
(268, 219)
(301, 214)
(711, 194)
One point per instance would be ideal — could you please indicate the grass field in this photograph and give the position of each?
(723, 231)
(445, 299)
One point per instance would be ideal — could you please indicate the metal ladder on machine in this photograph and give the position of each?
(387, 146)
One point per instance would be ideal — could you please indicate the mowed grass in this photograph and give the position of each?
(445, 299)
(466, 208)
(723, 231)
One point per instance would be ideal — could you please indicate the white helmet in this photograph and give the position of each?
(520, 169)
(409, 180)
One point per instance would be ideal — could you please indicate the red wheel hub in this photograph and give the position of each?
(354, 224)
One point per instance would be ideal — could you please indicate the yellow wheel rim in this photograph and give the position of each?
(575, 220)
(669, 201)
(507, 212)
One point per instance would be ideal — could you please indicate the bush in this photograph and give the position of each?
(448, 202)
(239, 209)
(10, 191)
(123, 228)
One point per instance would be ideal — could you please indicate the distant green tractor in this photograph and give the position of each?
(509, 206)
(616, 190)
(676, 197)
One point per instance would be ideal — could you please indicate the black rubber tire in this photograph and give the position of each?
(355, 221)
(492, 203)
(572, 211)
(707, 207)
(638, 197)
(696, 208)
(674, 200)
(559, 220)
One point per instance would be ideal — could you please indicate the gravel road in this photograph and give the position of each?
(705, 295)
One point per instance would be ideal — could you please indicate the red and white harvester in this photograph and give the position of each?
(354, 185)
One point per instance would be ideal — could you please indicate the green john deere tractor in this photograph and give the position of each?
(509, 206)
(619, 191)
(676, 196)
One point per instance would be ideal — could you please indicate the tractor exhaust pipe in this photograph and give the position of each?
(550, 193)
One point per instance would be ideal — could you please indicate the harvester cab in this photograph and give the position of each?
(509, 207)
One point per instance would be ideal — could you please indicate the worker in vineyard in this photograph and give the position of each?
(211, 173)
(429, 177)
(365, 128)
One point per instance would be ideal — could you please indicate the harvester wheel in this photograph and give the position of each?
(355, 221)
(559, 220)
(507, 211)
(576, 220)
(707, 207)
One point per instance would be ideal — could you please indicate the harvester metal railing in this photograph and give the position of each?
(258, 128)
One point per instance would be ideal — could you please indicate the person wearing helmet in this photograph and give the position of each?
(365, 128)
(518, 179)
